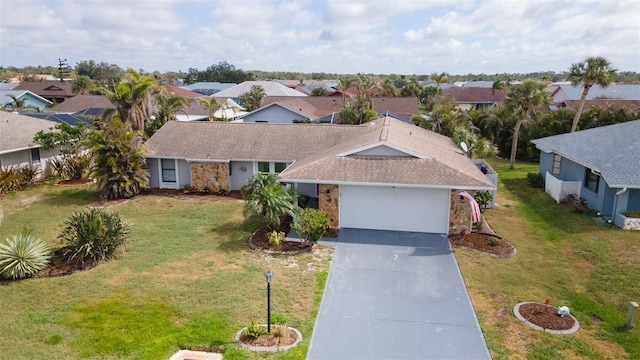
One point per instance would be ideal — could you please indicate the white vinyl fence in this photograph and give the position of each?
(559, 189)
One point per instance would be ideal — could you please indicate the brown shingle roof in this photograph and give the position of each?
(17, 131)
(325, 105)
(178, 91)
(323, 152)
(83, 102)
(47, 89)
(475, 94)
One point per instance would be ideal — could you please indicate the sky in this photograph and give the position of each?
(332, 36)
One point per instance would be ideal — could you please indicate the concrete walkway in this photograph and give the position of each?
(395, 295)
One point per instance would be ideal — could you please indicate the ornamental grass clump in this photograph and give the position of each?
(22, 256)
(92, 236)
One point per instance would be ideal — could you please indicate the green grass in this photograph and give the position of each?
(187, 279)
(564, 256)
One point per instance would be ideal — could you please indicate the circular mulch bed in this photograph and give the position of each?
(281, 338)
(491, 244)
(544, 317)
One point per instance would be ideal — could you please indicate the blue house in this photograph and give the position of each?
(600, 165)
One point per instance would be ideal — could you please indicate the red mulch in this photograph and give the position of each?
(73, 182)
(482, 242)
(182, 194)
(270, 340)
(545, 316)
(59, 266)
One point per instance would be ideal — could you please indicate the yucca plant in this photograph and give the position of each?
(92, 236)
(22, 256)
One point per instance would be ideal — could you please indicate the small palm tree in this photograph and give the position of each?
(133, 98)
(521, 100)
(440, 79)
(119, 165)
(168, 107)
(591, 71)
(267, 197)
(212, 106)
(16, 103)
(81, 84)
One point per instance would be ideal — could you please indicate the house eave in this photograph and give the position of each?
(361, 183)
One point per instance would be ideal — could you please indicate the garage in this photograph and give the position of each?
(394, 208)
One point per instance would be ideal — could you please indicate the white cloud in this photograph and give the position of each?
(343, 36)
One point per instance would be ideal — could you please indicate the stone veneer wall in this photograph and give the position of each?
(211, 175)
(460, 214)
(329, 201)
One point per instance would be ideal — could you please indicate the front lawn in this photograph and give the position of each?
(593, 269)
(187, 279)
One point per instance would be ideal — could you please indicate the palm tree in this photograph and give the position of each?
(212, 105)
(267, 197)
(522, 100)
(16, 103)
(168, 106)
(591, 71)
(133, 98)
(344, 83)
(440, 79)
(81, 84)
(119, 163)
(253, 98)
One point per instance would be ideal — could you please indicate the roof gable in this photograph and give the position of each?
(380, 149)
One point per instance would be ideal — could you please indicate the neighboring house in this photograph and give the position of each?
(286, 112)
(54, 91)
(17, 148)
(178, 91)
(600, 165)
(90, 106)
(631, 105)
(209, 88)
(562, 92)
(475, 98)
(31, 100)
(385, 174)
(59, 118)
(323, 106)
(271, 88)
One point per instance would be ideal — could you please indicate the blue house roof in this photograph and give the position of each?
(612, 150)
(613, 91)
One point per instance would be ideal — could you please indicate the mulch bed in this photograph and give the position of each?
(270, 340)
(482, 242)
(260, 239)
(182, 194)
(74, 182)
(59, 266)
(545, 316)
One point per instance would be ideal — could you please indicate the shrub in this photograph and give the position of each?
(310, 224)
(494, 241)
(576, 204)
(254, 330)
(535, 180)
(13, 179)
(71, 167)
(483, 198)
(276, 237)
(267, 197)
(22, 256)
(92, 236)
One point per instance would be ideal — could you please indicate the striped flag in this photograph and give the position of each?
(475, 209)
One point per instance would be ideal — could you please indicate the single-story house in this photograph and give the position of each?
(560, 92)
(600, 165)
(271, 88)
(90, 106)
(475, 98)
(17, 148)
(54, 91)
(385, 174)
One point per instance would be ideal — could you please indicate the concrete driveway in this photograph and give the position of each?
(395, 295)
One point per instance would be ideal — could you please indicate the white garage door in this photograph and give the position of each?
(387, 208)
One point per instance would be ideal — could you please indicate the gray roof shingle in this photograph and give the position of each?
(17, 131)
(613, 150)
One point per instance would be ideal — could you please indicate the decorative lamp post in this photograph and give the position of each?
(268, 275)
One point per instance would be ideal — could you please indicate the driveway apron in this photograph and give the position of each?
(395, 295)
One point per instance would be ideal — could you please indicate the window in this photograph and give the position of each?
(263, 167)
(168, 170)
(35, 155)
(591, 180)
(556, 164)
(279, 167)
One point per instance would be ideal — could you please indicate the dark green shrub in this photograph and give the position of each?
(92, 236)
(71, 167)
(267, 197)
(483, 198)
(576, 204)
(22, 256)
(494, 241)
(535, 180)
(310, 224)
(254, 330)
